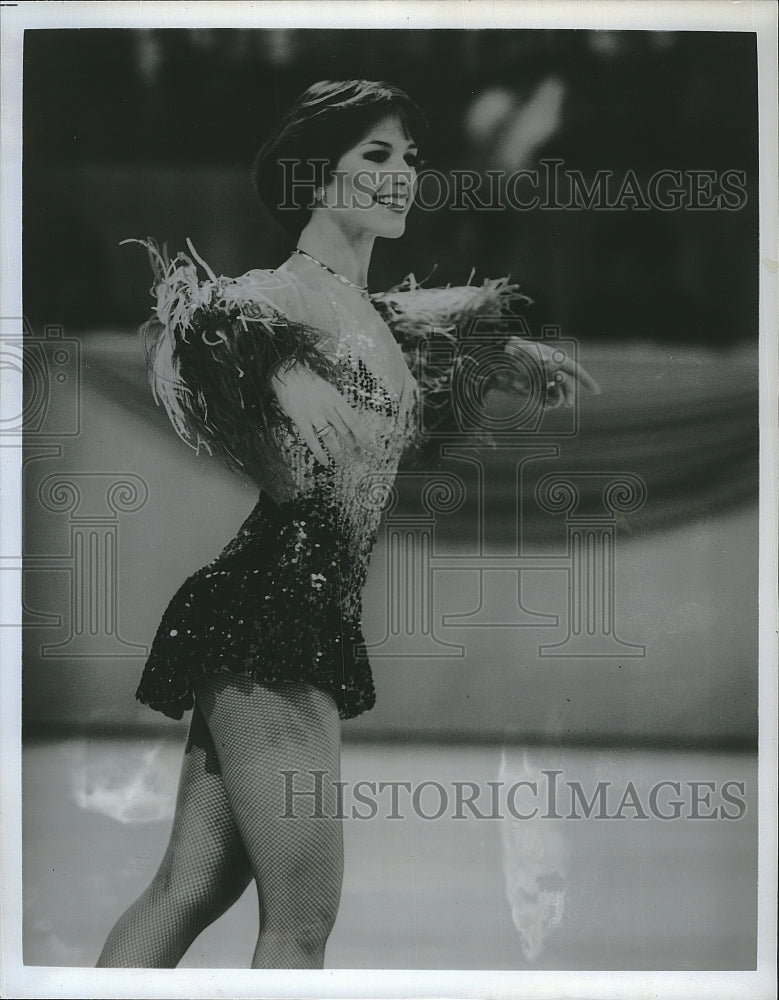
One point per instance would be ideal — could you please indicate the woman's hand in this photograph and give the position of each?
(320, 413)
(561, 373)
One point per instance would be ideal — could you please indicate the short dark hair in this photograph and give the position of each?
(323, 123)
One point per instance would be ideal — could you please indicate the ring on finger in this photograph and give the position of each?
(319, 431)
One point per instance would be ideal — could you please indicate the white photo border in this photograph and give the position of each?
(758, 16)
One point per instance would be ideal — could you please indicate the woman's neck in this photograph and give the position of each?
(350, 257)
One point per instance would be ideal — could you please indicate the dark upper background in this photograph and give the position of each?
(131, 133)
(134, 133)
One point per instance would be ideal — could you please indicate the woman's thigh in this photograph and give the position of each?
(279, 754)
(205, 855)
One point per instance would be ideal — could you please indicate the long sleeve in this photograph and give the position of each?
(212, 347)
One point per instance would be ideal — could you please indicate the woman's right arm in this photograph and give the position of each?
(229, 359)
(320, 413)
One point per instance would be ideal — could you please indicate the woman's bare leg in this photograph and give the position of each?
(296, 855)
(205, 869)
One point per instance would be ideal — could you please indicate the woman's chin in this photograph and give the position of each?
(394, 230)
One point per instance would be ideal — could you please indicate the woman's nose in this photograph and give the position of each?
(401, 177)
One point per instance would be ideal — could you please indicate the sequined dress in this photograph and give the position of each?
(282, 602)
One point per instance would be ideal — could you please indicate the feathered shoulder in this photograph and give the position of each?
(213, 345)
(413, 311)
(433, 327)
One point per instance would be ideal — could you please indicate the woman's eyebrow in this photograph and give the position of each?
(382, 142)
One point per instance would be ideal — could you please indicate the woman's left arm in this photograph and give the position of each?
(423, 317)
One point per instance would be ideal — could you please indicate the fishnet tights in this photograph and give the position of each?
(230, 826)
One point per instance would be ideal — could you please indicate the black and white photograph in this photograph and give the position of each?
(389, 451)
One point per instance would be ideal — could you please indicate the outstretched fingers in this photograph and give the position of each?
(575, 371)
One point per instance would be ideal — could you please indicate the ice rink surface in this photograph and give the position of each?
(426, 893)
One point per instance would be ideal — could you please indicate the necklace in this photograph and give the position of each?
(362, 289)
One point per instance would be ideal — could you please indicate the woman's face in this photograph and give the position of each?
(372, 186)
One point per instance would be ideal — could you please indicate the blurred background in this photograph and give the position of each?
(129, 133)
(137, 133)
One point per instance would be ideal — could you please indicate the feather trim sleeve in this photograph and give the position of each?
(212, 347)
(433, 327)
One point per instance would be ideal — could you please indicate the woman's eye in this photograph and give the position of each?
(382, 155)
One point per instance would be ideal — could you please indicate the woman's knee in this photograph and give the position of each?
(308, 927)
(202, 894)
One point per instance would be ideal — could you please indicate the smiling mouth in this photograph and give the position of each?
(393, 202)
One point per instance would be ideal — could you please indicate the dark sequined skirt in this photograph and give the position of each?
(280, 603)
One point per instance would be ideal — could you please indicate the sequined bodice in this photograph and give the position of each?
(376, 381)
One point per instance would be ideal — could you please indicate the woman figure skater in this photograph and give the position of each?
(300, 379)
